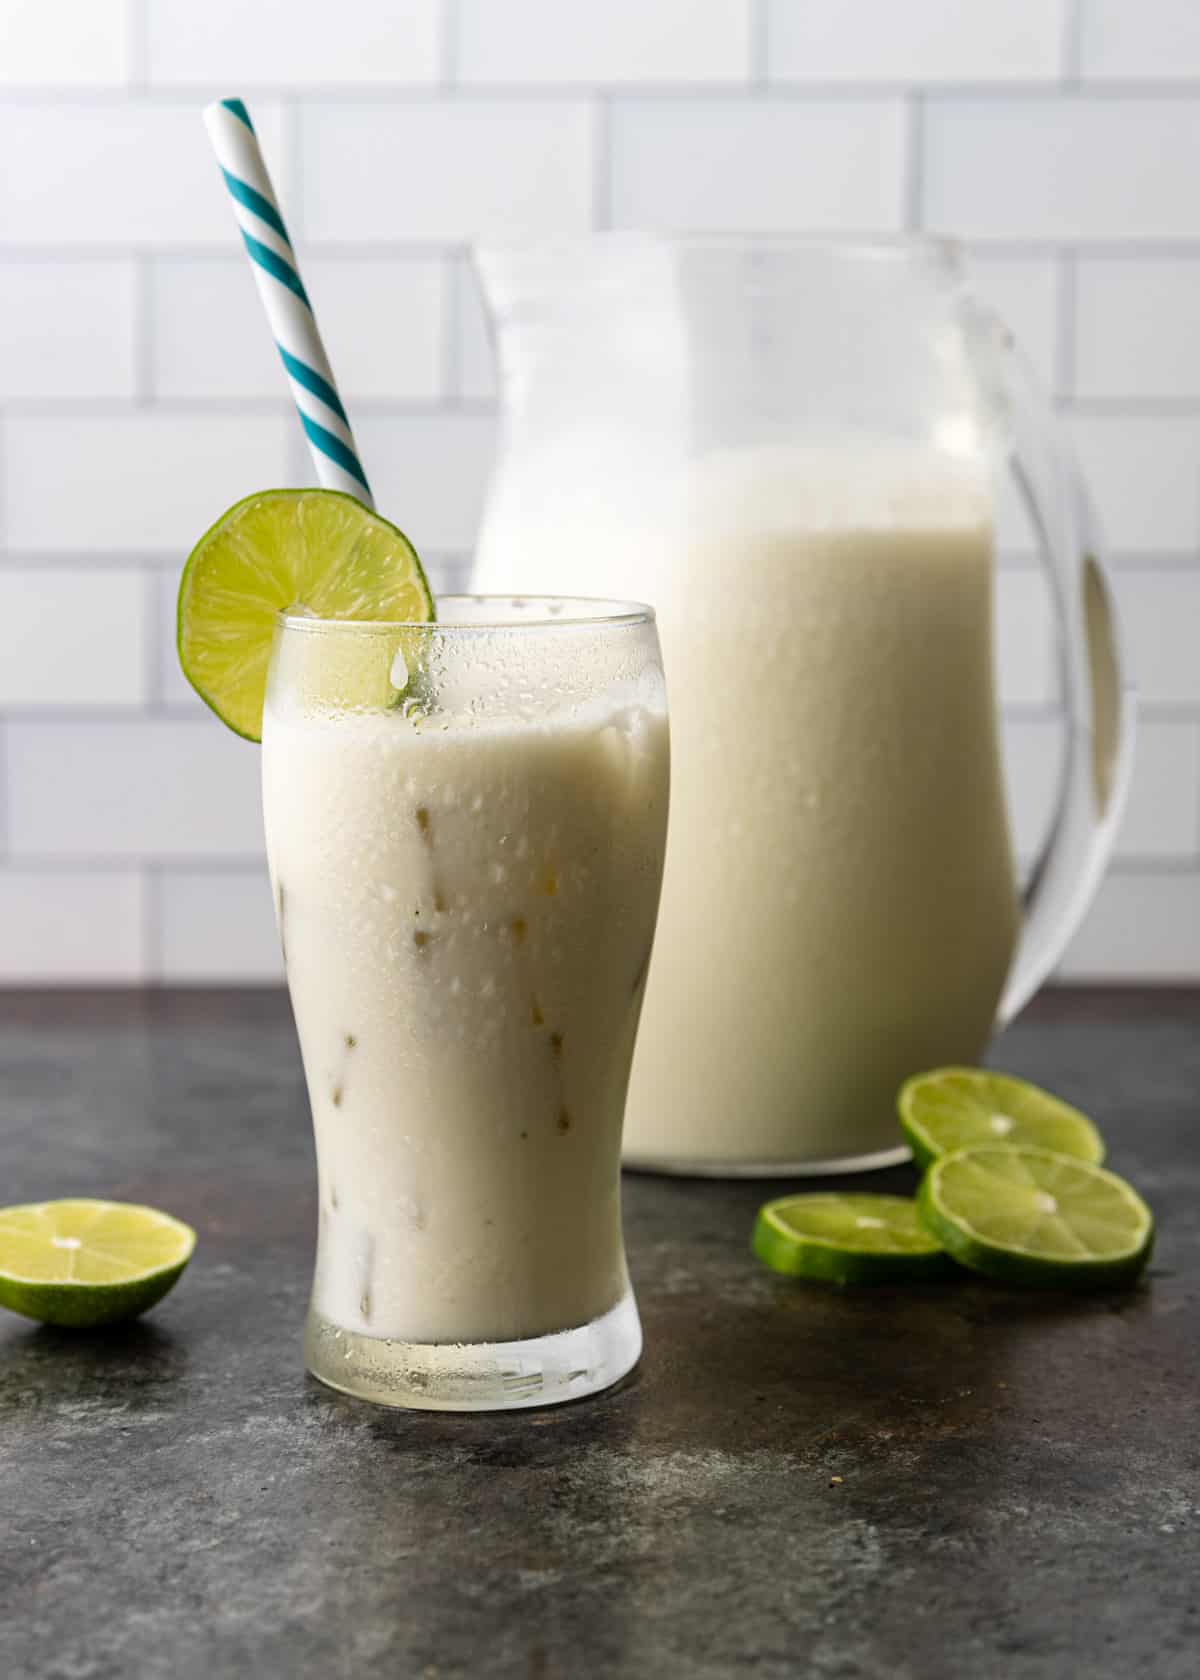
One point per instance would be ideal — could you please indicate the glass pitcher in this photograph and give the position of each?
(794, 449)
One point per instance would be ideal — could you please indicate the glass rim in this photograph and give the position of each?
(511, 613)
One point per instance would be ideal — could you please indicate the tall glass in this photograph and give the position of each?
(465, 826)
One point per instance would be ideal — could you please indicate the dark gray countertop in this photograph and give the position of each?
(1021, 1474)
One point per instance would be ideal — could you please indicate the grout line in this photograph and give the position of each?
(290, 183)
(154, 600)
(137, 39)
(453, 280)
(1180, 90)
(760, 44)
(448, 45)
(144, 288)
(1134, 249)
(601, 136)
(5, 844)
(117, 863)
(152, 923)
(914, 161)
(1071, 43)
(1066, 290)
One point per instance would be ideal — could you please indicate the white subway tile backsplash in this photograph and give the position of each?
(65, 43)
(1062, 168)
(277, 43)
(1162, 819)
(550, 41)
(71, 927)
(1152, 39)
(1024, 638)
(1144, 474)
(140, 392)
(66, 330)
(164, 787)
(381, 320)
(919, 41)
(73, 638)
(1141, 927)
(109, 174)
(757, 165)
(1024, 293)
(1137, 327)
(429, 473)
(218, 926)
(452, 171)
(132, 483)
(1160, 619)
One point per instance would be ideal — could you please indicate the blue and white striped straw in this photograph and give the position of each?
(285, 300)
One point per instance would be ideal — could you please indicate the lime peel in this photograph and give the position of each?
(1036, 1217)
(315, 551)
(848, 1239)
(82, 1263)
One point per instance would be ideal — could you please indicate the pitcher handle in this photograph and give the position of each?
(1099, 702)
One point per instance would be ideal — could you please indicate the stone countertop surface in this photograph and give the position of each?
(1019, 1473)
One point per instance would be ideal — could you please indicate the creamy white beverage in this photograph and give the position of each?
(839, 907)
(467, 907)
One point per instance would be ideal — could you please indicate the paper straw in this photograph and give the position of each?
(285, 300)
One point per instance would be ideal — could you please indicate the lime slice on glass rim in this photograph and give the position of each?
(315, 551)
(84, 1263)
(837, 1238)
(1030, 1216)
(959, 1108)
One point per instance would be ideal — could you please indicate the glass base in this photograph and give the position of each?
(477, 1376)
(770, 1169)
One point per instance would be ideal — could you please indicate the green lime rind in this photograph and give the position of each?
(319, 551)
(83, 1263)
(830, 1237)
(1036, 1218)
(962, 1108)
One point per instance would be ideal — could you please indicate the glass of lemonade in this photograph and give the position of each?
(465, 827)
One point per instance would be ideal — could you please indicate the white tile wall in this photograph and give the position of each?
(452, 170)
(115, 788)
(277, 43)
(1137, 327)
(67, 330)
(772, 165)
(215, 921)
(103, 174)
(71, 926)
(549, 42)
(1054, 169)
(65, 43)
(139, 393)
(128, 483)
(73, 638)
(920, 41)
(381, 318)
(1150, 39)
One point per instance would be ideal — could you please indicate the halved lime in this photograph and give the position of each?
(958, 1108)
(313, 550)
(1033, 1217)
(83, 1263)
(838, 1238)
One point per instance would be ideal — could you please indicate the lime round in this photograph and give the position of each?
(848, 1239)
(1033, 1217)
(84, 1263)
(958, 1108)
(312, 550)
